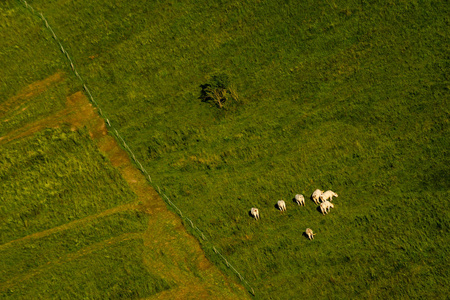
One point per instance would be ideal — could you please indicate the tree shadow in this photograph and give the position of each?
(204, 97)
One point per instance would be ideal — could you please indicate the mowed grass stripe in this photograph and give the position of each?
(69, 225)
(84, 275)
(29, 274)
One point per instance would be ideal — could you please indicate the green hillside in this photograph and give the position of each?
(351, 96)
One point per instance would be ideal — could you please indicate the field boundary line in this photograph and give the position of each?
(127, 148)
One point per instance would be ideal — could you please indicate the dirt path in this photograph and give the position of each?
(67, 258)
(70, 225)
(171, 251)
(77, 113)
(33, 89)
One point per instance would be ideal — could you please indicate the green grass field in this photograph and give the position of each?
(71, 226)
(67, 176)
(351, 96)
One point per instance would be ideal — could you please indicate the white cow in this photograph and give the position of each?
(300, 199)
(316, 195)
(309, 233)
(329, 205)
(281, 205)
(328, 195)
(255, 213)
(325, 207)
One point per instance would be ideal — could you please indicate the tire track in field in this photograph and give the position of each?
(67, 258)
(30, 91)
(70, 225)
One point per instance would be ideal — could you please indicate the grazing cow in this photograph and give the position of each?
(316, 195)
(309, 233)
(325, 207)
(255, 213)
(329, 205)
(300, 199)
(328, 195)
(281, 205)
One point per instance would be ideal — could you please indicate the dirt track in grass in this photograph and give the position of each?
(170, 251)
(29, 92)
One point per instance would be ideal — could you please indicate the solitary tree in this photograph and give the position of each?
(218, 91)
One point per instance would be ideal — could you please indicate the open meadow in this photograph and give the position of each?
(77, 219)
(350, 96)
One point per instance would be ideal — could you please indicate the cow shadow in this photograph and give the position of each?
(250, 214)
(318, 209)
(278, 208)
(305, 235)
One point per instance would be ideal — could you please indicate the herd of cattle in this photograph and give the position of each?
(319, 197)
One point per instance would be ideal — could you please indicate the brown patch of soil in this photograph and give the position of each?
(78, 113)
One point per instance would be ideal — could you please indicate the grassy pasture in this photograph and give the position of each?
(344, 95)
(73, 263)
(127, 278)
(52, 178)
(71, 226)
(55, 177)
